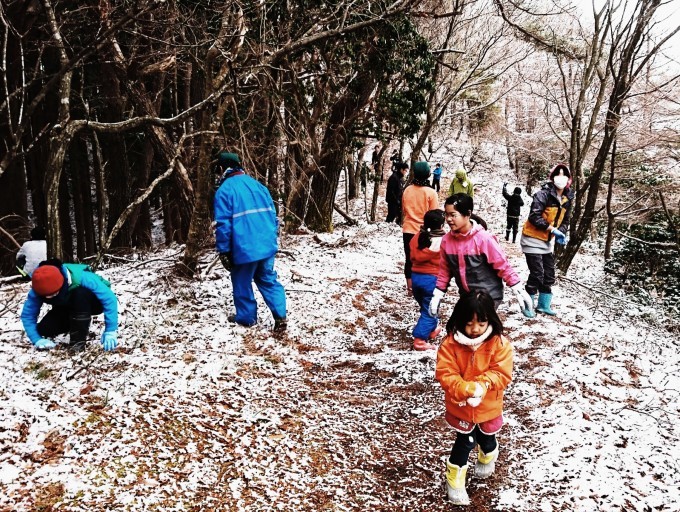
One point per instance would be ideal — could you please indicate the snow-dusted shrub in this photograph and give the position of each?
(647, 262)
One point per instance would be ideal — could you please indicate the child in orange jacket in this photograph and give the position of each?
(425, 269)
(474, 366)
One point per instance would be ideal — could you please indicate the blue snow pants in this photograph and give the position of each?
(264, 275)
(423, 286)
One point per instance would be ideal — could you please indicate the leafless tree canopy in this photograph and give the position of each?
(111, 112)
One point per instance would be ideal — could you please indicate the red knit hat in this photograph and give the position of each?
(47, 280)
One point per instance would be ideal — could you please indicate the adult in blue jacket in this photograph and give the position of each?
(436, 177)
(246, 238)
(75, 294)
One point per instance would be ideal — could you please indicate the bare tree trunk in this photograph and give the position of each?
(355, 175)
(376, 184)
(611, 218)
(624, 73)
(82, 202)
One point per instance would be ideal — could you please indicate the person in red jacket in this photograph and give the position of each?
(425, 267)
(474, 367)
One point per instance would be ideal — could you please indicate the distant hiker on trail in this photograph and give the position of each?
(548, 220)
(418, 199)
(375, 159)
(32, 253)
(461, 184)
(395, 159)
(75, 293)
(425, 259)
(473, 256)
(436, 176)
(395, 189)
(515, 204)
(246, 238)
(474, 367)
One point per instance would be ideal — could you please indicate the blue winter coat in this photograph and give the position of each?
(246, 224)
(89, 280)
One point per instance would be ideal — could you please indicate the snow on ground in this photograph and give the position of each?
(194, 413)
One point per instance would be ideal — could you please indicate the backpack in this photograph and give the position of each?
(76, 270)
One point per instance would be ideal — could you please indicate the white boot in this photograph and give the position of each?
(486, 463)
(455, 484)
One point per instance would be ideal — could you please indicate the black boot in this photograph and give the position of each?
(507, 235)
(514, 236)
(280, 324)
(79, 329)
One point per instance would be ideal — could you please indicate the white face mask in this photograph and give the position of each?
(561, 181)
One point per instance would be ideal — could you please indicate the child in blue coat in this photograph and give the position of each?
(75, 294)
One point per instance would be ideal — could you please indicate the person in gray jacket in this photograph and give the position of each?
(32, 253)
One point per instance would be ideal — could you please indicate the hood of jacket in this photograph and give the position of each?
(461, 175)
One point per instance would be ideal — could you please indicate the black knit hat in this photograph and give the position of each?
(421, 170)
(37, 233)
(226, 160)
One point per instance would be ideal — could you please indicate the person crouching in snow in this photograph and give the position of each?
(474, 367)
(473, 256)
(75, 293)
(548, 219)
(425, 259)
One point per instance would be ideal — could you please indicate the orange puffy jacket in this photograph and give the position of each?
(416, 201)
(490, 365)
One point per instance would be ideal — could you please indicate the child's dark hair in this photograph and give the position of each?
(38, 233)
(479, 303)
(464, 205)
(560, 167)
(434, 219)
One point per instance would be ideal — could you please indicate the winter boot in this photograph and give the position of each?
(507, 235)
(421, 344)
(455, 484)
(79, 328)
(435, 333)
(514, 236)
(280, 324)
(486, 463)
(232, 320)
(543, 306)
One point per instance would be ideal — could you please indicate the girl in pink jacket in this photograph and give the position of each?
(475, 259)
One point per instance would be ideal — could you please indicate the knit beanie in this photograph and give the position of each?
(228, 160)
(37, 233)
(421, 170)
(47, 280)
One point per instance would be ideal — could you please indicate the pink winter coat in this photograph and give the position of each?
(477, 261)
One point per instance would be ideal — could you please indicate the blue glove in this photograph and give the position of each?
(109, 340)
(44, 344)
(560, 238)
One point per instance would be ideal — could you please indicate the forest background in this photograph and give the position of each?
(111, 113)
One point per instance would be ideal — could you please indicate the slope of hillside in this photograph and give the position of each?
(194, 413)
